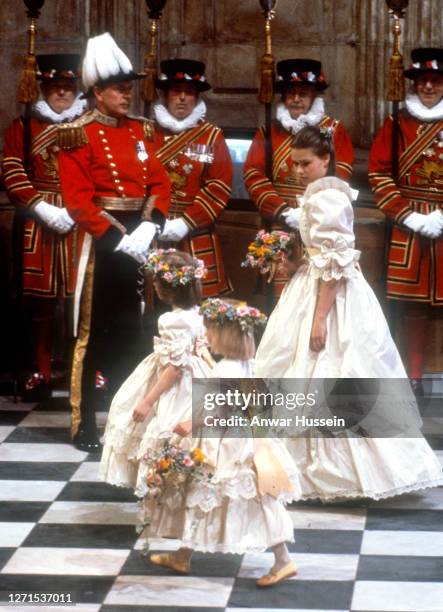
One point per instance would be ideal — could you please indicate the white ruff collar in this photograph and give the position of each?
(417, 109)
(42, 110)
(164, 118)
(313, 117)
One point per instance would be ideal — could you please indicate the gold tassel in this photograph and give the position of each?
(396, 81)
(148, 130)
(149, 92)
(71, 137)
(28, 89)
(267, 72)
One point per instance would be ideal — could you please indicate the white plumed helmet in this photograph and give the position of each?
(105, 63)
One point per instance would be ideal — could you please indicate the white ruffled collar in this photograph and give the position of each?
(417, 109)
(330, 182)
(42, 110)
(313, 117)
(164, 118)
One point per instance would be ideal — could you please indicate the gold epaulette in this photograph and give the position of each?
(72, 135)
(148, 127)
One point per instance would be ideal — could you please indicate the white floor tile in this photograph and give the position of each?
(157, 544)
(14, 534)
(91, 513)
(87, 472)
(309, 566)
(5, 430)
(328, 518)
(30, 490)
(403, 543)
(429, 499)
(40, 452)
(66, 561)
(170, 591)
(372, 596)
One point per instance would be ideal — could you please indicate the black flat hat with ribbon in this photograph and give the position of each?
(429, 59)
(53, 66)
(299, 71)
(178, 71)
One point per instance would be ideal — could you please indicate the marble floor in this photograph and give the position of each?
(63, 530)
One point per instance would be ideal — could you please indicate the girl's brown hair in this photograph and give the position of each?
(320, 141)
(230, 340)
(182, 296)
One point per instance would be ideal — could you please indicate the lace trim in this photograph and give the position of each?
(312, 117)
(340, 495)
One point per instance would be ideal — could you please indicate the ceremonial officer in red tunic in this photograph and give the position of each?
(32, 183)
(119, 194)
(413, 201)
(301, 83)
(196, 158)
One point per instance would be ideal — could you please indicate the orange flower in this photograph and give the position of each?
(164, 464)
(198, 455)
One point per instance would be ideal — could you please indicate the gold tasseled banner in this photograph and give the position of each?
(71, 137)
(267, 72)
(396, 80)
(149, 92)
(28, 89)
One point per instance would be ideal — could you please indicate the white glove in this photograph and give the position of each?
(291, 217)
(434, 223)
(57, 219)
(138, 242)
(427, 225)
(174, 230)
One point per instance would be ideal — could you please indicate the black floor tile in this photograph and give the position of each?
(326, 541)
(40, 435)
(404, 520)
(225, 566)
(82, 536)
(5, 555)
(36, 470)
(304, 594)
(12, 417)
(402, 569)
(435, 442)
(95, 491)
(23, 512)
(85, 589)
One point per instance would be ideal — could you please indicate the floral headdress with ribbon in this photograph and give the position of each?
(175, 275)
(219, 312)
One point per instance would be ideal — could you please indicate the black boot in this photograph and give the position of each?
(86, 439)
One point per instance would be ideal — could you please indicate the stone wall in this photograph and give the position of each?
(350, 37)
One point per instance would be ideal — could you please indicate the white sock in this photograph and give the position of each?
(281, 555)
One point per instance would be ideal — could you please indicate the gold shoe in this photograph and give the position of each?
(274, 577)
(168, 560)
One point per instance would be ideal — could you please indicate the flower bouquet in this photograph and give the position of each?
(268, 250)
(173, 466)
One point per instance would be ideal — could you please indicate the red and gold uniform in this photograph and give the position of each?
(48, 257)
(272, 197)
(199, 166)
(415, 263)
(111, 182)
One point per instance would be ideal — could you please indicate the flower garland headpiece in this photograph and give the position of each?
(219, 312)
(174, 275)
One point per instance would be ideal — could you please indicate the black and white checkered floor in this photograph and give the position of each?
(62, 530)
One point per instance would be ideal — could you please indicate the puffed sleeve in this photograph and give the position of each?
(175, 343)
(329, 218)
